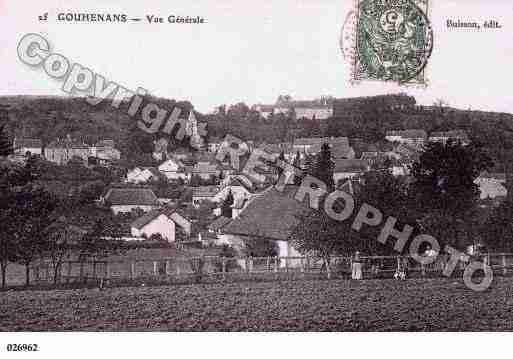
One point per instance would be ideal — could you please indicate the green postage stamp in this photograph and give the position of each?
(392, 41)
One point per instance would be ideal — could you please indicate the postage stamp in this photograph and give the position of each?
(388, 40)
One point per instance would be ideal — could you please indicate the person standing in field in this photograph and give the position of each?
(357, 267)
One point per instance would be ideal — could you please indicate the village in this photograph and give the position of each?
(190, 198)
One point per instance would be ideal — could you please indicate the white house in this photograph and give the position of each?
(138, 175)
(161, 221)
(349, 168)
(173, 169)
(411, 137)
(456, 135)
(270, 215)
(25, 146)
(124, 200)
(491, 185)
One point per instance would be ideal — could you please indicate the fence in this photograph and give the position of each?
(207, 269)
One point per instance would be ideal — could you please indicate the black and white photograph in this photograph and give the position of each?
(249, 168)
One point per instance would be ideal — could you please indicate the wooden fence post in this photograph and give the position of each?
(107, 270)
(286, 264)
(268, 264)
(177, 268)
(504, 267)
(155, 268)
(223, 266)
(168, 267)
(423, 269)
(132, 270)
(398, 263)
(275, 264)
(250, 264)
(70, 267)
(94, 269)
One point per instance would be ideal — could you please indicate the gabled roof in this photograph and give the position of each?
(131, 197)
(351, 165)
(27, 143)
(146, 218)
(205, 191)
(219, 223)
(457, 134)
(105, 143)
(271, 215)
(168, 211)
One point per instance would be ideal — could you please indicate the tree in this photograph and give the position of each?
(444, 190)
(226, 206)
(497, 231)
(297, 164)
(279, 170)
(7, 243)
(322, 236)
(6, 148)
(323, 167)
(31, 219)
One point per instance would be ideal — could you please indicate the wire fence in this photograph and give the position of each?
(212, 268)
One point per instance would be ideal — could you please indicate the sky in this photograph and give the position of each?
(254, 51)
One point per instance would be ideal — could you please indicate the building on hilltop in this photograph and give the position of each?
(61, 151)
(28, 146)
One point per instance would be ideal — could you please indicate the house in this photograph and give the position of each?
(443, 137)
(60, 151)
(271, 216)
(349, 168)
(105, 152)
(163, 221)
(236, 186)
(124, 200)
(319, 109)
(411, 137)
(26, 146)
(205, 171)
(492, 185)
(214, 144)
(173, 169)
(203, 193)
(142, 175)
(310, 146)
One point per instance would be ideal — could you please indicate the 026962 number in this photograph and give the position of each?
(22, 348)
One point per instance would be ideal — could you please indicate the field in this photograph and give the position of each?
(321, 305)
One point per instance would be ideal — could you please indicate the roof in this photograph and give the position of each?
(105, 143)
(450, 134)
(146, 218)
(131, 196)
(408, 133)
(271, 215)
(67, 143)
(351, 165)
(205, 168)
(310, 141)
(155, 213)
(205, 191)
(219, 223)
(28, 143)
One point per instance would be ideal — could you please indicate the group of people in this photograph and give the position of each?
(357, 271)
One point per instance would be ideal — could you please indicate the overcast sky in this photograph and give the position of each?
(253, 51)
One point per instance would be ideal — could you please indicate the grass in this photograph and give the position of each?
(308, 305)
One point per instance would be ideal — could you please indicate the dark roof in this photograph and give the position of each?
(27, 142)
(351, 165)
(219, 223)
(205, 191)
(151, 215)
(105, 143)
(146, 218)
(451, 134)
(271, 215)
(131, 196)
(67, 143)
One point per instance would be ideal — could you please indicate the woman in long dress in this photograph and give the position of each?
(357, 267)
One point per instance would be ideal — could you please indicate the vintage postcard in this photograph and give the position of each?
(232, 166)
